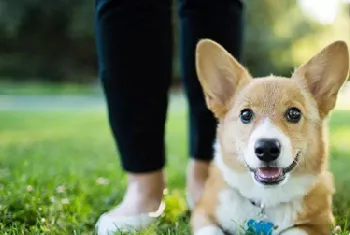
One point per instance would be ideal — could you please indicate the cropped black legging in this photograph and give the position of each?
(134, 45)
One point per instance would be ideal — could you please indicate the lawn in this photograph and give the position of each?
(59, 171)
(8, 87)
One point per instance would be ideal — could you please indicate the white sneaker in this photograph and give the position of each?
(109, 225)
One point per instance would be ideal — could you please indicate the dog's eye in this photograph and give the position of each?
(246, 116)
(293, 115)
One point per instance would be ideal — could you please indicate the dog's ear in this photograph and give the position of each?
(324, 74)
(219, 74)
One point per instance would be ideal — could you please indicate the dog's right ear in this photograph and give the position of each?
(220, 75)
(324, 74)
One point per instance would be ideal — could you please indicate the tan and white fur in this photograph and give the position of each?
(299, 204)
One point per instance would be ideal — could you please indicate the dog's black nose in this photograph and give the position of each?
(267, 150)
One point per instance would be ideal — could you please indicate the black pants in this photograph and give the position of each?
(134, 44)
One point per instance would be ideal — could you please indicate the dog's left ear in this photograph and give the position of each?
(324, 74)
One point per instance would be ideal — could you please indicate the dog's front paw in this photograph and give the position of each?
(210, 230)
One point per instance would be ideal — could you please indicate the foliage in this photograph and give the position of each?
(47, 39)
(54, 40)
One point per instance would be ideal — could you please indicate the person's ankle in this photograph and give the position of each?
(149, 185)
(198, 170)
(197, 174)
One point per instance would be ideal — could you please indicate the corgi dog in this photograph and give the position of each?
(270, 172)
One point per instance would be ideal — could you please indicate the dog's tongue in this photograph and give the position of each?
(270, 172)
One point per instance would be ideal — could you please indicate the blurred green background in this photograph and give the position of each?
(53, 41)
(59, 167)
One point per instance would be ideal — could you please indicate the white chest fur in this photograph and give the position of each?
(282, 203)
(233, 211)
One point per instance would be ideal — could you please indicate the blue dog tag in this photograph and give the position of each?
(260, 227)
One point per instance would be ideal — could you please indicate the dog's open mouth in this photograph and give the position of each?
(273, 175)
(269, 175)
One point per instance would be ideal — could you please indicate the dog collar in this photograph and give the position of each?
(261, 213)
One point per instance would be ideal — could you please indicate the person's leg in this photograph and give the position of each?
(222, 21)
(134, 48)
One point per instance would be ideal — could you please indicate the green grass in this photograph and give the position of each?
(46, 88)
(59, 172)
